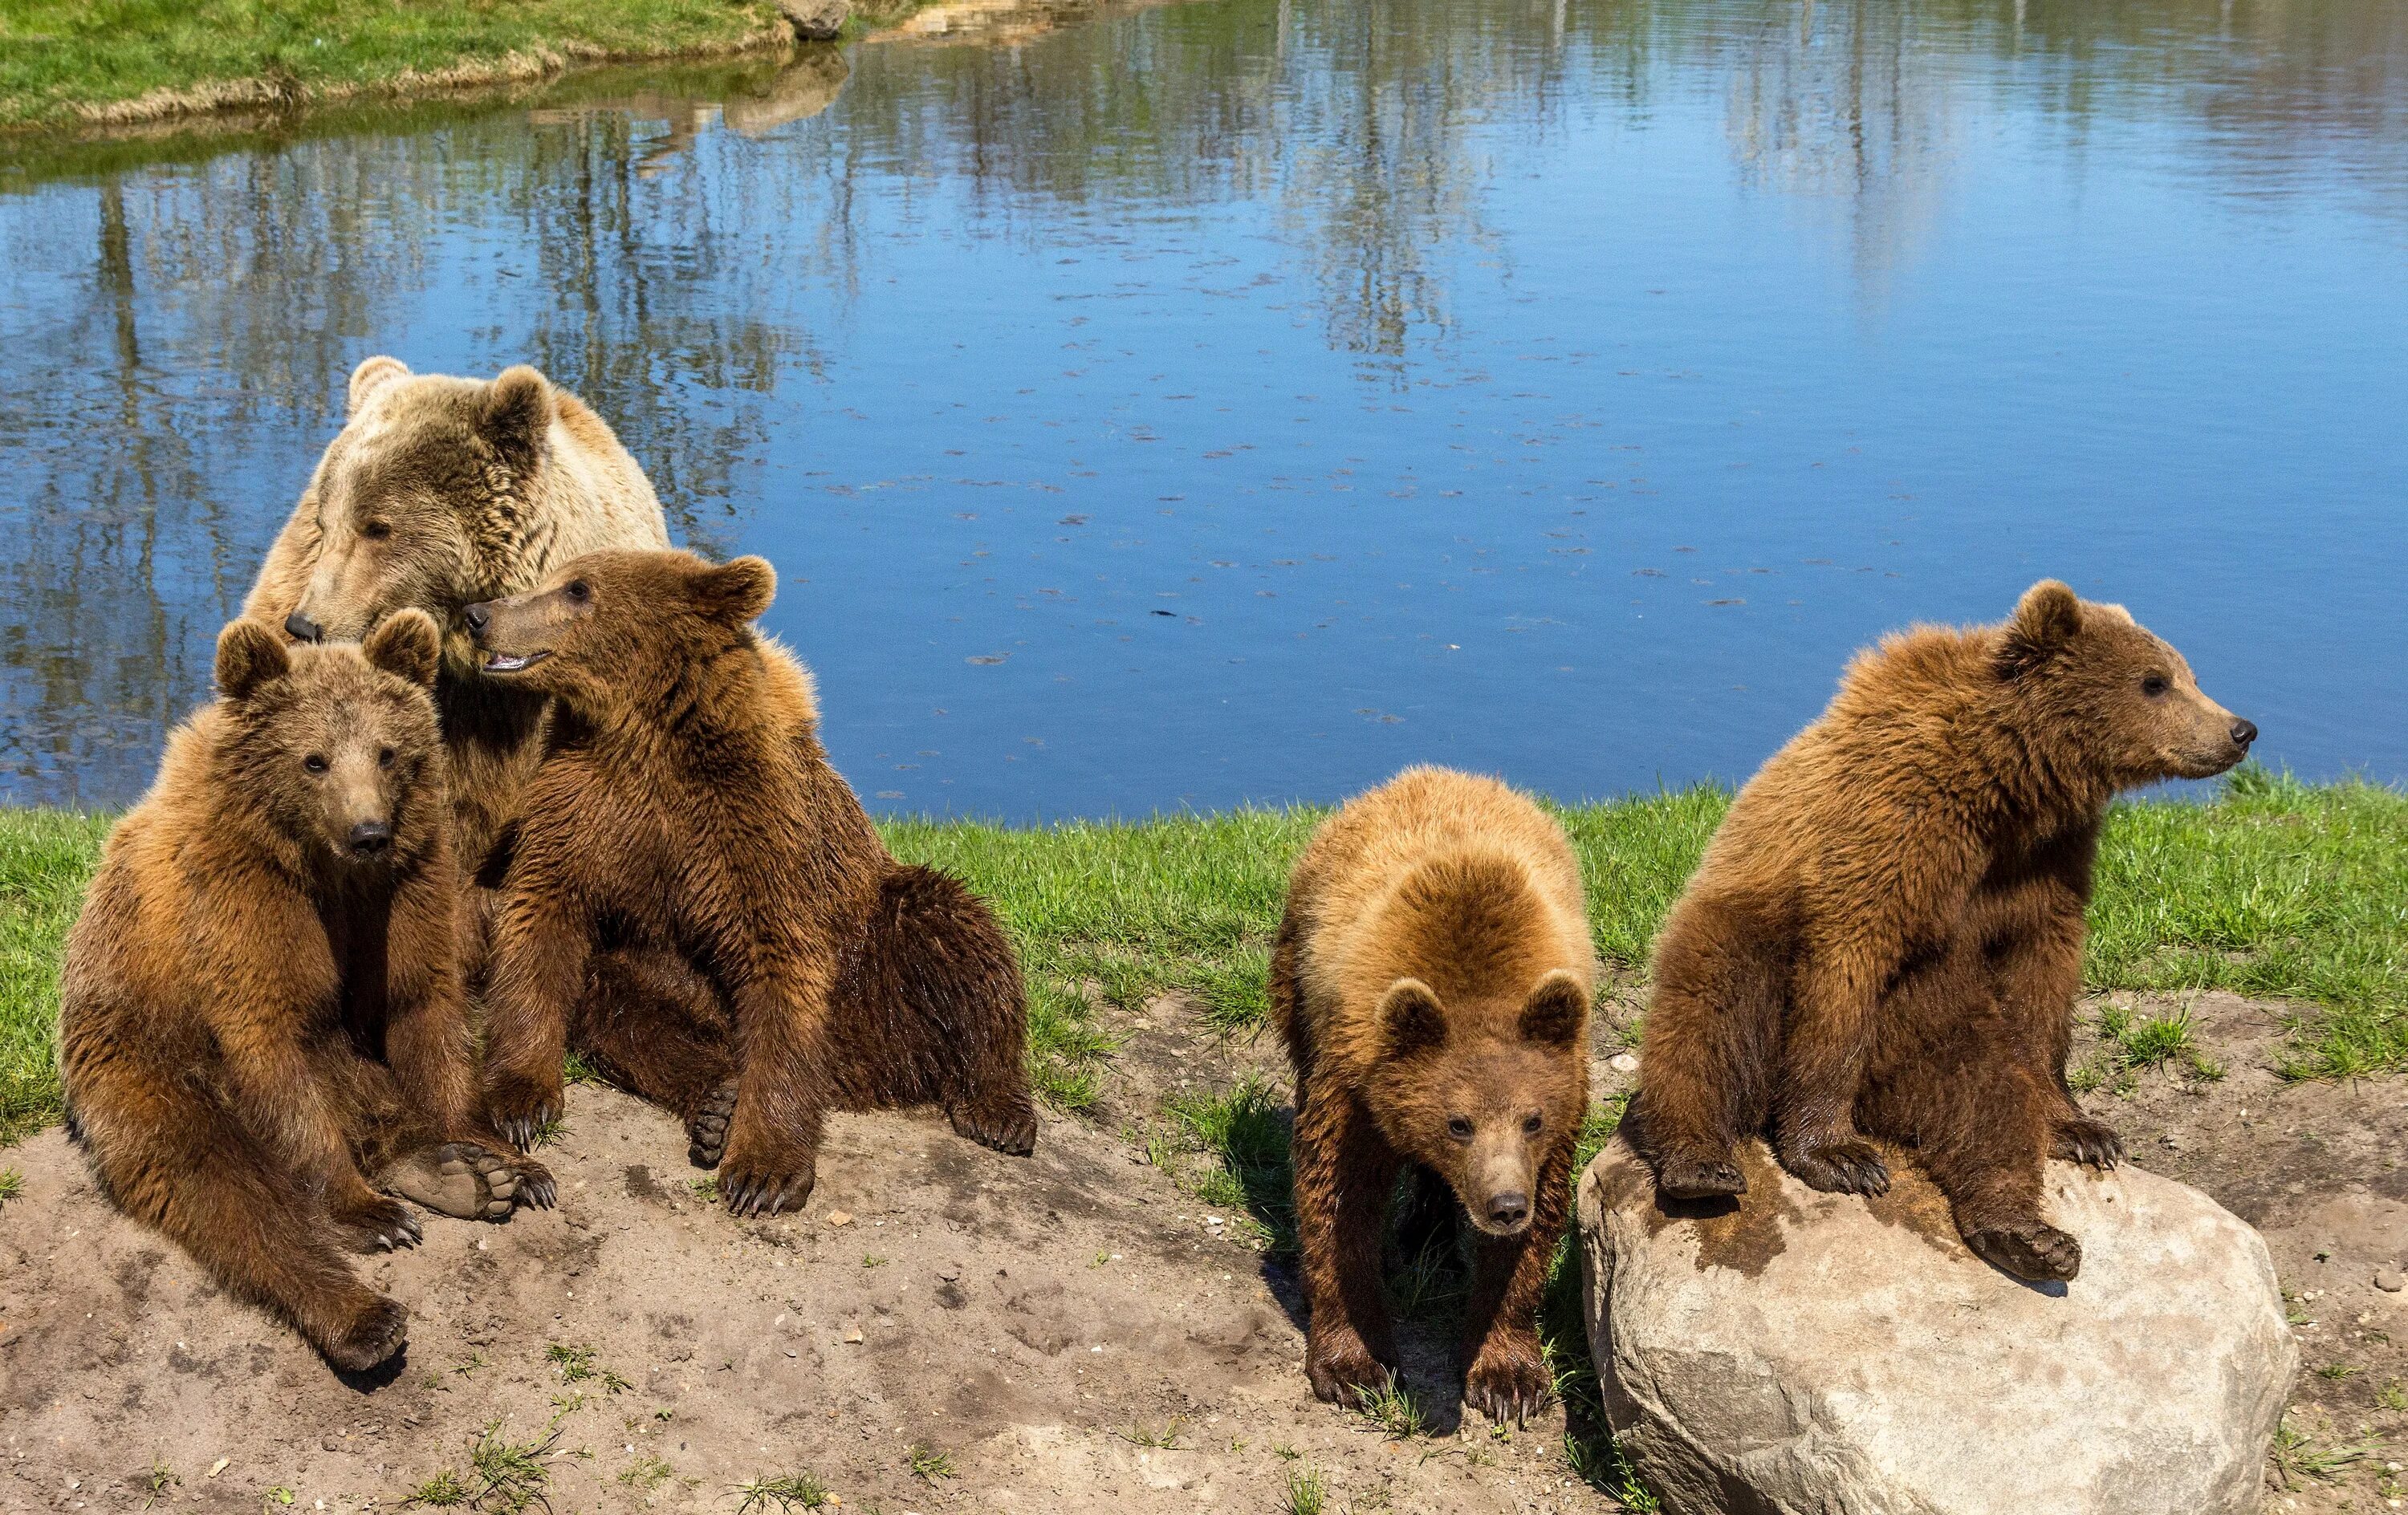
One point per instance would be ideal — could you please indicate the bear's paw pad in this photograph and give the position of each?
(706, 1133)
(2029, 1249)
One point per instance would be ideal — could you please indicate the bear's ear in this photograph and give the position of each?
(516, 414)
(1556, 1012)
(737, 590)
(1411, 1018)
(249, 655)
(372, 375)
(405, 644)
(2046, 619)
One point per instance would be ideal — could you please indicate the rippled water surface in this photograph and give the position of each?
(1237, 400)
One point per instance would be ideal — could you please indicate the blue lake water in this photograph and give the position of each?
(1235, 400)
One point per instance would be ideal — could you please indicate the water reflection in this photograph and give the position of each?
(1393, 352)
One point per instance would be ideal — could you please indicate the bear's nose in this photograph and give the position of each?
(1509, 1209)
(477, 617)
(2244, 733)
(369, 838)
(301, 629)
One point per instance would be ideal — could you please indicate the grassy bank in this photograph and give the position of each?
(2276, 889)
(64, 63)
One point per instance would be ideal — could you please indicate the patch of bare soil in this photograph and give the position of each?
(942, 1328)
(2317, 1168)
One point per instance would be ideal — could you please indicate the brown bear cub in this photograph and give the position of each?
(1432, 979)
(698, 901)
(1886, 935)
(260, 1013)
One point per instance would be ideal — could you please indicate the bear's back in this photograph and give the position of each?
(1446, 877)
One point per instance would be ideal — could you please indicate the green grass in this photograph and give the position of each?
(62, 60)
(2275, 889)
(788, 1491)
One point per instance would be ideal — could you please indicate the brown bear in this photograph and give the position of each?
(439, 492)
(1432, 978)
(697, 899)
(1886, 934)
(260, 1008)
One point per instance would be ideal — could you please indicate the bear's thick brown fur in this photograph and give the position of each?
(1432, 978)
(260, 1008)
(439, 492)
(1886, 934)
(697, 899)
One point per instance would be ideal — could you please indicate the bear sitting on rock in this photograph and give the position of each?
(1432, 977)
(260, 1008)
(1885, 937)
(697, 897)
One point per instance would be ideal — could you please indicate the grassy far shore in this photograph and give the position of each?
(2275, 889)
(70, 63)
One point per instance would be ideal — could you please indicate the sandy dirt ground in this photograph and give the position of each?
(947, 1328)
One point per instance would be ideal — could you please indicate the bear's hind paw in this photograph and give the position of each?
(2029, 1249)
(706, 1133)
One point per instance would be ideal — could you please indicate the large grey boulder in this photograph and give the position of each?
(816, 21)
(1822, 1354)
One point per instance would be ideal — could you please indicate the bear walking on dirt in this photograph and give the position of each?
(699, 899)
(1886, 934)
(1432, 978)
(439, 492)
(260, 1008)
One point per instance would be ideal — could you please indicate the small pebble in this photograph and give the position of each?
(840, 1218)
(1623, 1062)
(2390, 1279)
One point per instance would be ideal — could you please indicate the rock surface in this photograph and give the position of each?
(816, 21)
(1806, 1353)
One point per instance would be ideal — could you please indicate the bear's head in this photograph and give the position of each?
(1480, 1092)
(424, 500)
(2096, 691)
(620, 628)
(335, 746)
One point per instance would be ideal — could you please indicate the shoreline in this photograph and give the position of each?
(754, 29)
(2288, 892)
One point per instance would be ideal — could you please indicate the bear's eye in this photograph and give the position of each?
(314, 763)
(377, 531)
(578, 590)
(1459, 1128)
(385, 757)
(2155, 686)
(1530, 1124)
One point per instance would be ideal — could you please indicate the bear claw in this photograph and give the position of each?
(1511, 1384)
(1007, 1125)
(706, 1134)
(1841, 1168)
(2028, 1250)
(383, 1226)
(2091, 1143)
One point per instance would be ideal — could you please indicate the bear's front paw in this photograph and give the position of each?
(374, 1333)
(2092, 1143)
(1691, 1176)
(1508, 1381)
(758, 1181)
(374, 1224)
(524, 1109)
(2028, 1250)
(1840, 1168)
(1005, 1119)
(1343, 1370)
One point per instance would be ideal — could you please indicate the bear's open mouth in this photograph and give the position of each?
(507, 663)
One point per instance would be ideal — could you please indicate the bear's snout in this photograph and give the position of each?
(2244, 733)
(301, 629)
(1508, 1211)
(477, 617)
(370, 838)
